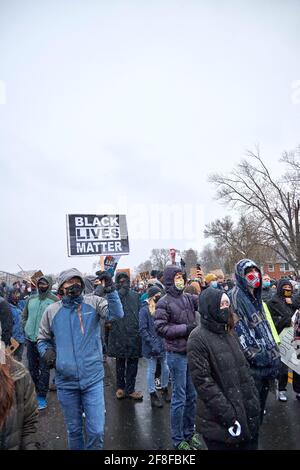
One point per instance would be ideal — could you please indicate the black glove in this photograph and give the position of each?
(106, 277)
(50, 357)
(190, 328)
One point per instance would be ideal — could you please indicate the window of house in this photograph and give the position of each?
(270, 267)
(282, 267)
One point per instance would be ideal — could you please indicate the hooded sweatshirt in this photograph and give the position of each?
(16, 311)
(72, 327)
(221, 375)
(281, 311)
(34, 309)
(174, 312)
(253, 330)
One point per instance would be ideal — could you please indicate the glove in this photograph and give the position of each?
(235, 430)
(50, 357)
(108, 282)
(190, 328)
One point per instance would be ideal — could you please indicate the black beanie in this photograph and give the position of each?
(153, 290)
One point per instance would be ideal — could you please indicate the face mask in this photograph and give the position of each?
(42, 290)
(28, 289)
(287, 293)
(253, 279)
(123, 290)
(179, 284)
(214, 284)
(224, 314)
(266, 283)
(74, 290)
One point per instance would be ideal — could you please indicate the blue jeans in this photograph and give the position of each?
(91, 402)
(184, 399)
(151, 372)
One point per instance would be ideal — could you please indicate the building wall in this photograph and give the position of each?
(276, 274)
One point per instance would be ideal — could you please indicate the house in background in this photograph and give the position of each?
(278, 268)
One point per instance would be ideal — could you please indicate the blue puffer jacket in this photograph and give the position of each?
(152, 344)
(253, 330)
(174, 312)
(72, 326)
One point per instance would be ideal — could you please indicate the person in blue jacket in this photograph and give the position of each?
(13, 298)
(70, 340)
(153, 348)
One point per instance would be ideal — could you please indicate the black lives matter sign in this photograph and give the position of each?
(97, 235)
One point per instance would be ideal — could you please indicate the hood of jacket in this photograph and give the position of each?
(169, 275)
(241, 281)
(10, 292)
(281, 283)
(209, 308)
(89, 284)
(50, 282)
(67, 275)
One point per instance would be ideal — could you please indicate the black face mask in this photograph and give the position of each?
(74, 291)
(224, 314)
(42, 290)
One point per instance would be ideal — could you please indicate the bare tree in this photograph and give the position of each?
(191, 258)
(251, 188)
(159, 258)
(213, 257)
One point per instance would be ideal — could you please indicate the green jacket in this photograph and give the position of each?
(19, 430)
(34, 310)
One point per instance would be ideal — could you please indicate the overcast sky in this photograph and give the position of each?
(121, 106)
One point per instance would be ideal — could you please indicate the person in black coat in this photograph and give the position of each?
(228, 400)
(124, 341)
(282, 307)
(6, 321)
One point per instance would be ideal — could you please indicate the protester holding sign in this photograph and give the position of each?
(70, 339)
(282, 308)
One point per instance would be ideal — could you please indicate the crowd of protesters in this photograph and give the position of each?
(209, 345)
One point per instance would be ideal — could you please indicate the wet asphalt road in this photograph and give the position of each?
(134, 425)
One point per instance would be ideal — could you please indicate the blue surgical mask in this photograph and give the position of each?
(214, 284)
(266, 283)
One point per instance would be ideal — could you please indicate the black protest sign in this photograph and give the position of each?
(90, 235)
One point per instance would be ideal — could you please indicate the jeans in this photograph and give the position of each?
(126, 371)
(91, 402)
(184, 399)
(39, 371)
(283, 377)
(152, 362)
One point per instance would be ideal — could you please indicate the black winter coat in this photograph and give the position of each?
(124, 340)
(19, 431)
(223, 381)
(281, 311)
(6, 321)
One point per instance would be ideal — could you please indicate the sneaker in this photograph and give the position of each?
(282, 396)
(184, 445)
(155, 400)
(42, 404)
(196, 442)
(166, 395)
(138, 396)
(265, 412)
(157, 383)
(298, 396)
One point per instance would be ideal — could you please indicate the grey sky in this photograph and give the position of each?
(118, 103)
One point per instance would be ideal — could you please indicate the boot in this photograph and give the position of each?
(155, 400)
(166, 395)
